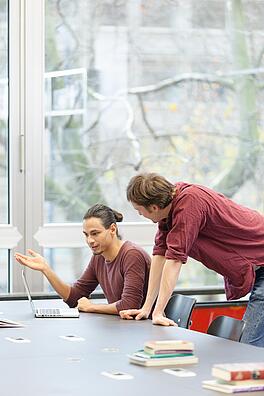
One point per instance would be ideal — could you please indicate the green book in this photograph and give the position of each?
(150, 361)
(145, 355)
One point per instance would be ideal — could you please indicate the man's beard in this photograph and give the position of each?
(97, 253)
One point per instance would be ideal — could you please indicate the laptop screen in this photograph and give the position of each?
(27, 290)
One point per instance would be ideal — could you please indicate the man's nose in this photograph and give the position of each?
(89, 239)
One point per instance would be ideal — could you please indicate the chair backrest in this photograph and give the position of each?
(227, 327)
(179, 309)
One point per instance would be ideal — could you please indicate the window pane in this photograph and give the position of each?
(136, 86)
(100, 131)
(3, 111)
(4, 259)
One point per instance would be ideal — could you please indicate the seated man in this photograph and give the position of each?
(121, 268)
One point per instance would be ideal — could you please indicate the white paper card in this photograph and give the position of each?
(18, 340)
(72, 337)
(117, 375)
(179, 372)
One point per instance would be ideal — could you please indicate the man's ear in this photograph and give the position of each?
(155, 208)
(113, 228)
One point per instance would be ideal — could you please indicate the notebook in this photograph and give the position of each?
(49, 312)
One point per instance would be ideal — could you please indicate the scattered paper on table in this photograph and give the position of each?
(179, 372)
(19, 340)
(117, 375)
(72, 337)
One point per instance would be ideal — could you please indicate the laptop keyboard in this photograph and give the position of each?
(49, 311)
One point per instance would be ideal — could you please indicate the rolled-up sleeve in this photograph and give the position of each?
(135, 280)
(83, 287)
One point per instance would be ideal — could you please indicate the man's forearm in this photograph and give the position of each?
(58, 285)
(103, 308)
(169, 278)
(156, 269)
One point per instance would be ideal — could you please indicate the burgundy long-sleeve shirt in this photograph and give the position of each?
(224, 236)
(123, 280)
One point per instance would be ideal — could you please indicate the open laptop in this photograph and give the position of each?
(49, 312)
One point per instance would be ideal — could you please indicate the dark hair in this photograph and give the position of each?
(150, 189)
(107, 215)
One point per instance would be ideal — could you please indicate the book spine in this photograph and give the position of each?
(245, 375)
(249, 389)
(167, 355)
(167, 351)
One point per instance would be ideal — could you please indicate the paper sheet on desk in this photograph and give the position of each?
(9, 323)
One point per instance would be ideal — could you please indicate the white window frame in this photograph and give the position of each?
(11, 234)
(26, 69)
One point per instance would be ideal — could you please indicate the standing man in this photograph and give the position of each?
(196, 221)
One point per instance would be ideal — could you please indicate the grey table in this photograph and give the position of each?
(51, 366)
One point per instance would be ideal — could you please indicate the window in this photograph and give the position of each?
(100, 132)
(108, 89)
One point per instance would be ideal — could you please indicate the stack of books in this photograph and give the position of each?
(237, 377)
(165, 353)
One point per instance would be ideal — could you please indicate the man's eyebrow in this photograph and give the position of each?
(93, 230)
